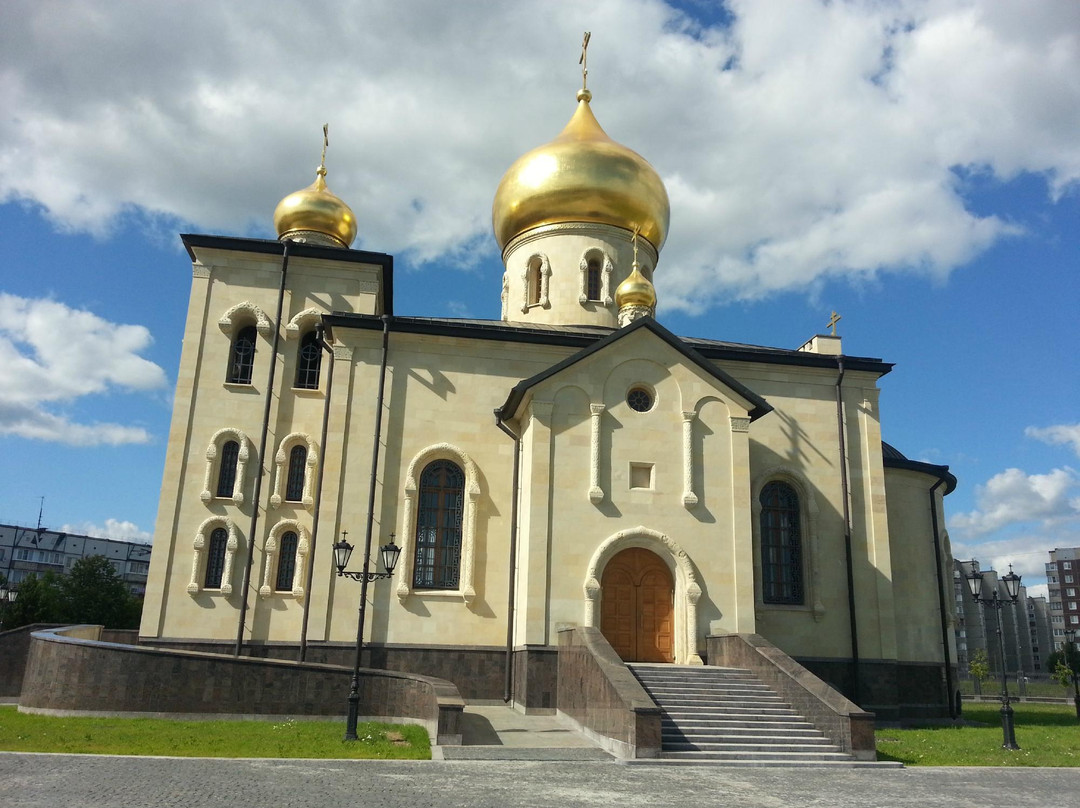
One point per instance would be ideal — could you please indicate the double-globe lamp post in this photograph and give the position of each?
(342, 551)
(1012, 589)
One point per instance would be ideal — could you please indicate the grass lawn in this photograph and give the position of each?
(20, 732)
(1047, 734)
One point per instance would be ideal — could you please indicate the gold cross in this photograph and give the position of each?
(637, 229)
(833, 320)
(583, 61)
(325, 143)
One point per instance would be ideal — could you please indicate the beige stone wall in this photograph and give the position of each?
(918, 626)
(699, 512)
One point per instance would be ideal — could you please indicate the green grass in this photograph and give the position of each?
(1047, 734)
(20, 732)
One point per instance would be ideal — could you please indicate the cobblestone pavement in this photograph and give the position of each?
(100, 781)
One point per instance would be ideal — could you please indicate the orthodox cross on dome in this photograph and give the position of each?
(584, 61)
(834, 318)
(637, 231)
(325, 143)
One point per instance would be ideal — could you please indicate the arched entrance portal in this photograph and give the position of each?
(637, 606)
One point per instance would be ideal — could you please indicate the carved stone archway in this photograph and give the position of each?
(687, 589)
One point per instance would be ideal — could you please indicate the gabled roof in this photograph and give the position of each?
(893, 458)
(581, 336)
(759, 406)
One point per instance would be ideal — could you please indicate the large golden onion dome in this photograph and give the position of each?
(581, 176)
(315, 211)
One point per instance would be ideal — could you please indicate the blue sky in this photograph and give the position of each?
(913, 165)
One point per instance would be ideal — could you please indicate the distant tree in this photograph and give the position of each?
(93, 592)
(979, 666)
(38, 602)
(1063, 665)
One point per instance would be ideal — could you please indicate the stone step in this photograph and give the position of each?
(731, 711)
(764, 748)
(748, 756)
(747, 690)
(850, 763)
(736, 725)
(739, 732)
(748, 735)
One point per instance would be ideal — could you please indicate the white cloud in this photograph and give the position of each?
(1013, 497)
(1027, 552)
(807, 140)
(1039, 591)
(1060, 434)
(113, 529)
(52, 355)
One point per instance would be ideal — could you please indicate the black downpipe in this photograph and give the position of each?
(508, 681)
(371, 489)
(949, 687)
(318, 491)
(854, 628)
(262, 449)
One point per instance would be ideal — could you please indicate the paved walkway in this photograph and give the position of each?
(55, 781)
(500, 732)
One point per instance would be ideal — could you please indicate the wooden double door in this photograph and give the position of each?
(637, 610)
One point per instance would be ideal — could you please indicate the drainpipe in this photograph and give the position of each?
(853, 623)
(262, 449)
(941, 600)
(372, 485)
(509, 673)
(323, 345)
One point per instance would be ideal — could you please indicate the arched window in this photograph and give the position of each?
(592, 277)
(294, 486)
(781, 545)
(242, 356)
(226, 480)
(215, 558)
(438, 526)
(286, 568)
(535, 281)
(308, 361)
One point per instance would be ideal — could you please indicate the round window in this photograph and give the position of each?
(640, 399)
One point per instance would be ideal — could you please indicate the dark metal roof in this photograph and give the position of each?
(893, 458)
(582, 336)
(273, 247)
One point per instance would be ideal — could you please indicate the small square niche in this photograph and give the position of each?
(641, 475)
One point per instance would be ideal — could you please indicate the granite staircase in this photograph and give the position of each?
(728, 716)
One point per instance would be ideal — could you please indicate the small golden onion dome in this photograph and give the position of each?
(581, 176)
(636, 290)
(315, 210)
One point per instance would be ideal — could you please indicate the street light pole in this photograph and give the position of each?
(1074, 671)
(1012, 588)
(7, 596)
(342, 551)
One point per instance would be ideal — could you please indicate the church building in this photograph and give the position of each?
(573, 463)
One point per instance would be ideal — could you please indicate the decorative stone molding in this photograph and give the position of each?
(302, 322)
(240, 314)
(687, 589)
(201, 270)
(440, 451)
(299, 569)
(201, 538)
(811, 552)
(281, 468)
(690, 497)
(504, 296)
(630, 314)
(607, 231)
(545, 278)
(740, 424)
(344, 352)
(596, 492)
(605, 277)
(221, 437)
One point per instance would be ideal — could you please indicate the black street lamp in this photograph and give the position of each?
(1066, 659)
(1012, 588)
(342, 552)
(7, 597)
